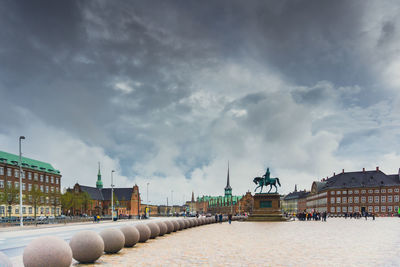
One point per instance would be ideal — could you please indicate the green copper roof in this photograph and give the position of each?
(27, 163)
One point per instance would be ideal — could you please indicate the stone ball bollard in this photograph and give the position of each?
(114, 240)
(163, 228)
(47, 251)
(86, 246)
(144, 232)
(195, 223)
(187, 223)
(199, 221)
(131, 235)
(170, 226)
(4, 260)
(154, 229)
(181, 224)
(176, 225)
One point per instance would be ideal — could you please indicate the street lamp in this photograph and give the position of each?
(112, 196)
(147, 209)
(172, 202)
(21, 222)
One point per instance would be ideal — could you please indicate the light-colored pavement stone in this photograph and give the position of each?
(338, 242)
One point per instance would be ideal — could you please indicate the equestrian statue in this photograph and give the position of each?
(266, 180)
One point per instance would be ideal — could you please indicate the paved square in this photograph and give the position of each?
(338, 242)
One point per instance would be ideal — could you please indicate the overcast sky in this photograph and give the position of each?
(167, 92)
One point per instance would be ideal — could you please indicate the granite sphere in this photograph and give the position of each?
(86, 246)
(163, 228)
(195, 223)
(176, 225)
(181, 224)
(144, 232)
(154, 229)
(47, 251)
(114, 240)
(187, 223)
(4, 260)
(131, 235)
(199, 221)
(170, 226)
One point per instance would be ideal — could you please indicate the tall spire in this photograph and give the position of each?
(228, 188)
(295, 188)
(99, 183)
(192, 196)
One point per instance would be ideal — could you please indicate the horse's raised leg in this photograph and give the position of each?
(256, 188)
(276, 189)
(270, 187)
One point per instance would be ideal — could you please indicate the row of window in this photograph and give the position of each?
(44, 189)
(36, 177)
(30, 210)
(43, 199)
(371, 199)
(364, 191)
(370, 209)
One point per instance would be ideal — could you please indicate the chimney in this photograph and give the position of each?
(342, 170)
(363, 169)
(334, 174)
(377, 168)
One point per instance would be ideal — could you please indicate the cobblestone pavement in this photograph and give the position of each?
(338, 242)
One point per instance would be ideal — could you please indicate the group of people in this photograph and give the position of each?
(358, 215)
(315, 216)
(218, 218)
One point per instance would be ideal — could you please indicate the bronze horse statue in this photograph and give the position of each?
(266, 180)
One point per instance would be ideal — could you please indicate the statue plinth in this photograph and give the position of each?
(267, 207)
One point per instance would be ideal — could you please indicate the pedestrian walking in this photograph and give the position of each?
(220, 218)
(229, 218)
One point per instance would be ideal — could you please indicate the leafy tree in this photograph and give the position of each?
(85, 200)
(67, 201)
(34, 198)
(10, 197)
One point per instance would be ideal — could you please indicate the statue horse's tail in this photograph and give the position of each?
(277, 180)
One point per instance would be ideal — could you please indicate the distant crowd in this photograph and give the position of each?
(321, 216)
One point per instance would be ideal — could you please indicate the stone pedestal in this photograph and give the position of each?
(267, 208)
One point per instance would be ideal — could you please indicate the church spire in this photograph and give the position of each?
(99, 183)
(228, 188)
(192, 196)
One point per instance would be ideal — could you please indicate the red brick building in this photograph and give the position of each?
(362, 191)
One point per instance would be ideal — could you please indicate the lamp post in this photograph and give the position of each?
(172, 202)
(112, 196)
(147, 208)
(21, 220)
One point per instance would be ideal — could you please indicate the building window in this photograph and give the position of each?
(29, 176)
(29, 187)
(356, 199)
(47, 200)
(58, 210)
(47, 210)
(344, 200)
(370, 208)
(383, 199)
(390, 209)
(57, 189)
(344, 209)
(17, 210)
(356, 208)
(390, 199)
(42, 199)
(370, 191)
(344, 192)
(390, 190)
(338, 200)
(47, 189)
(350, 191)
(396, 208)
(16, 173)
(41, 177)
(52, 179)
(396, 198)
(332, 192)
(16, 184)
(41, 188)
(356, 192)
(383, 208)
(35, 176)
(52, 189)
(350, 209)
(9, 172)
(1, 184)
(23, 186)
(350, 199)
(9, 184)
(370, 199)
(363, 191)
(383, 190)
(376, 208)
(363, 199)
(24, 210)
(1, 170)
(30, 198)
(376, 191)
(332, 200)
(396, 190)
(337, 209)
(41, 210)
(337, 192)
(23, 175)
(47, 179)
